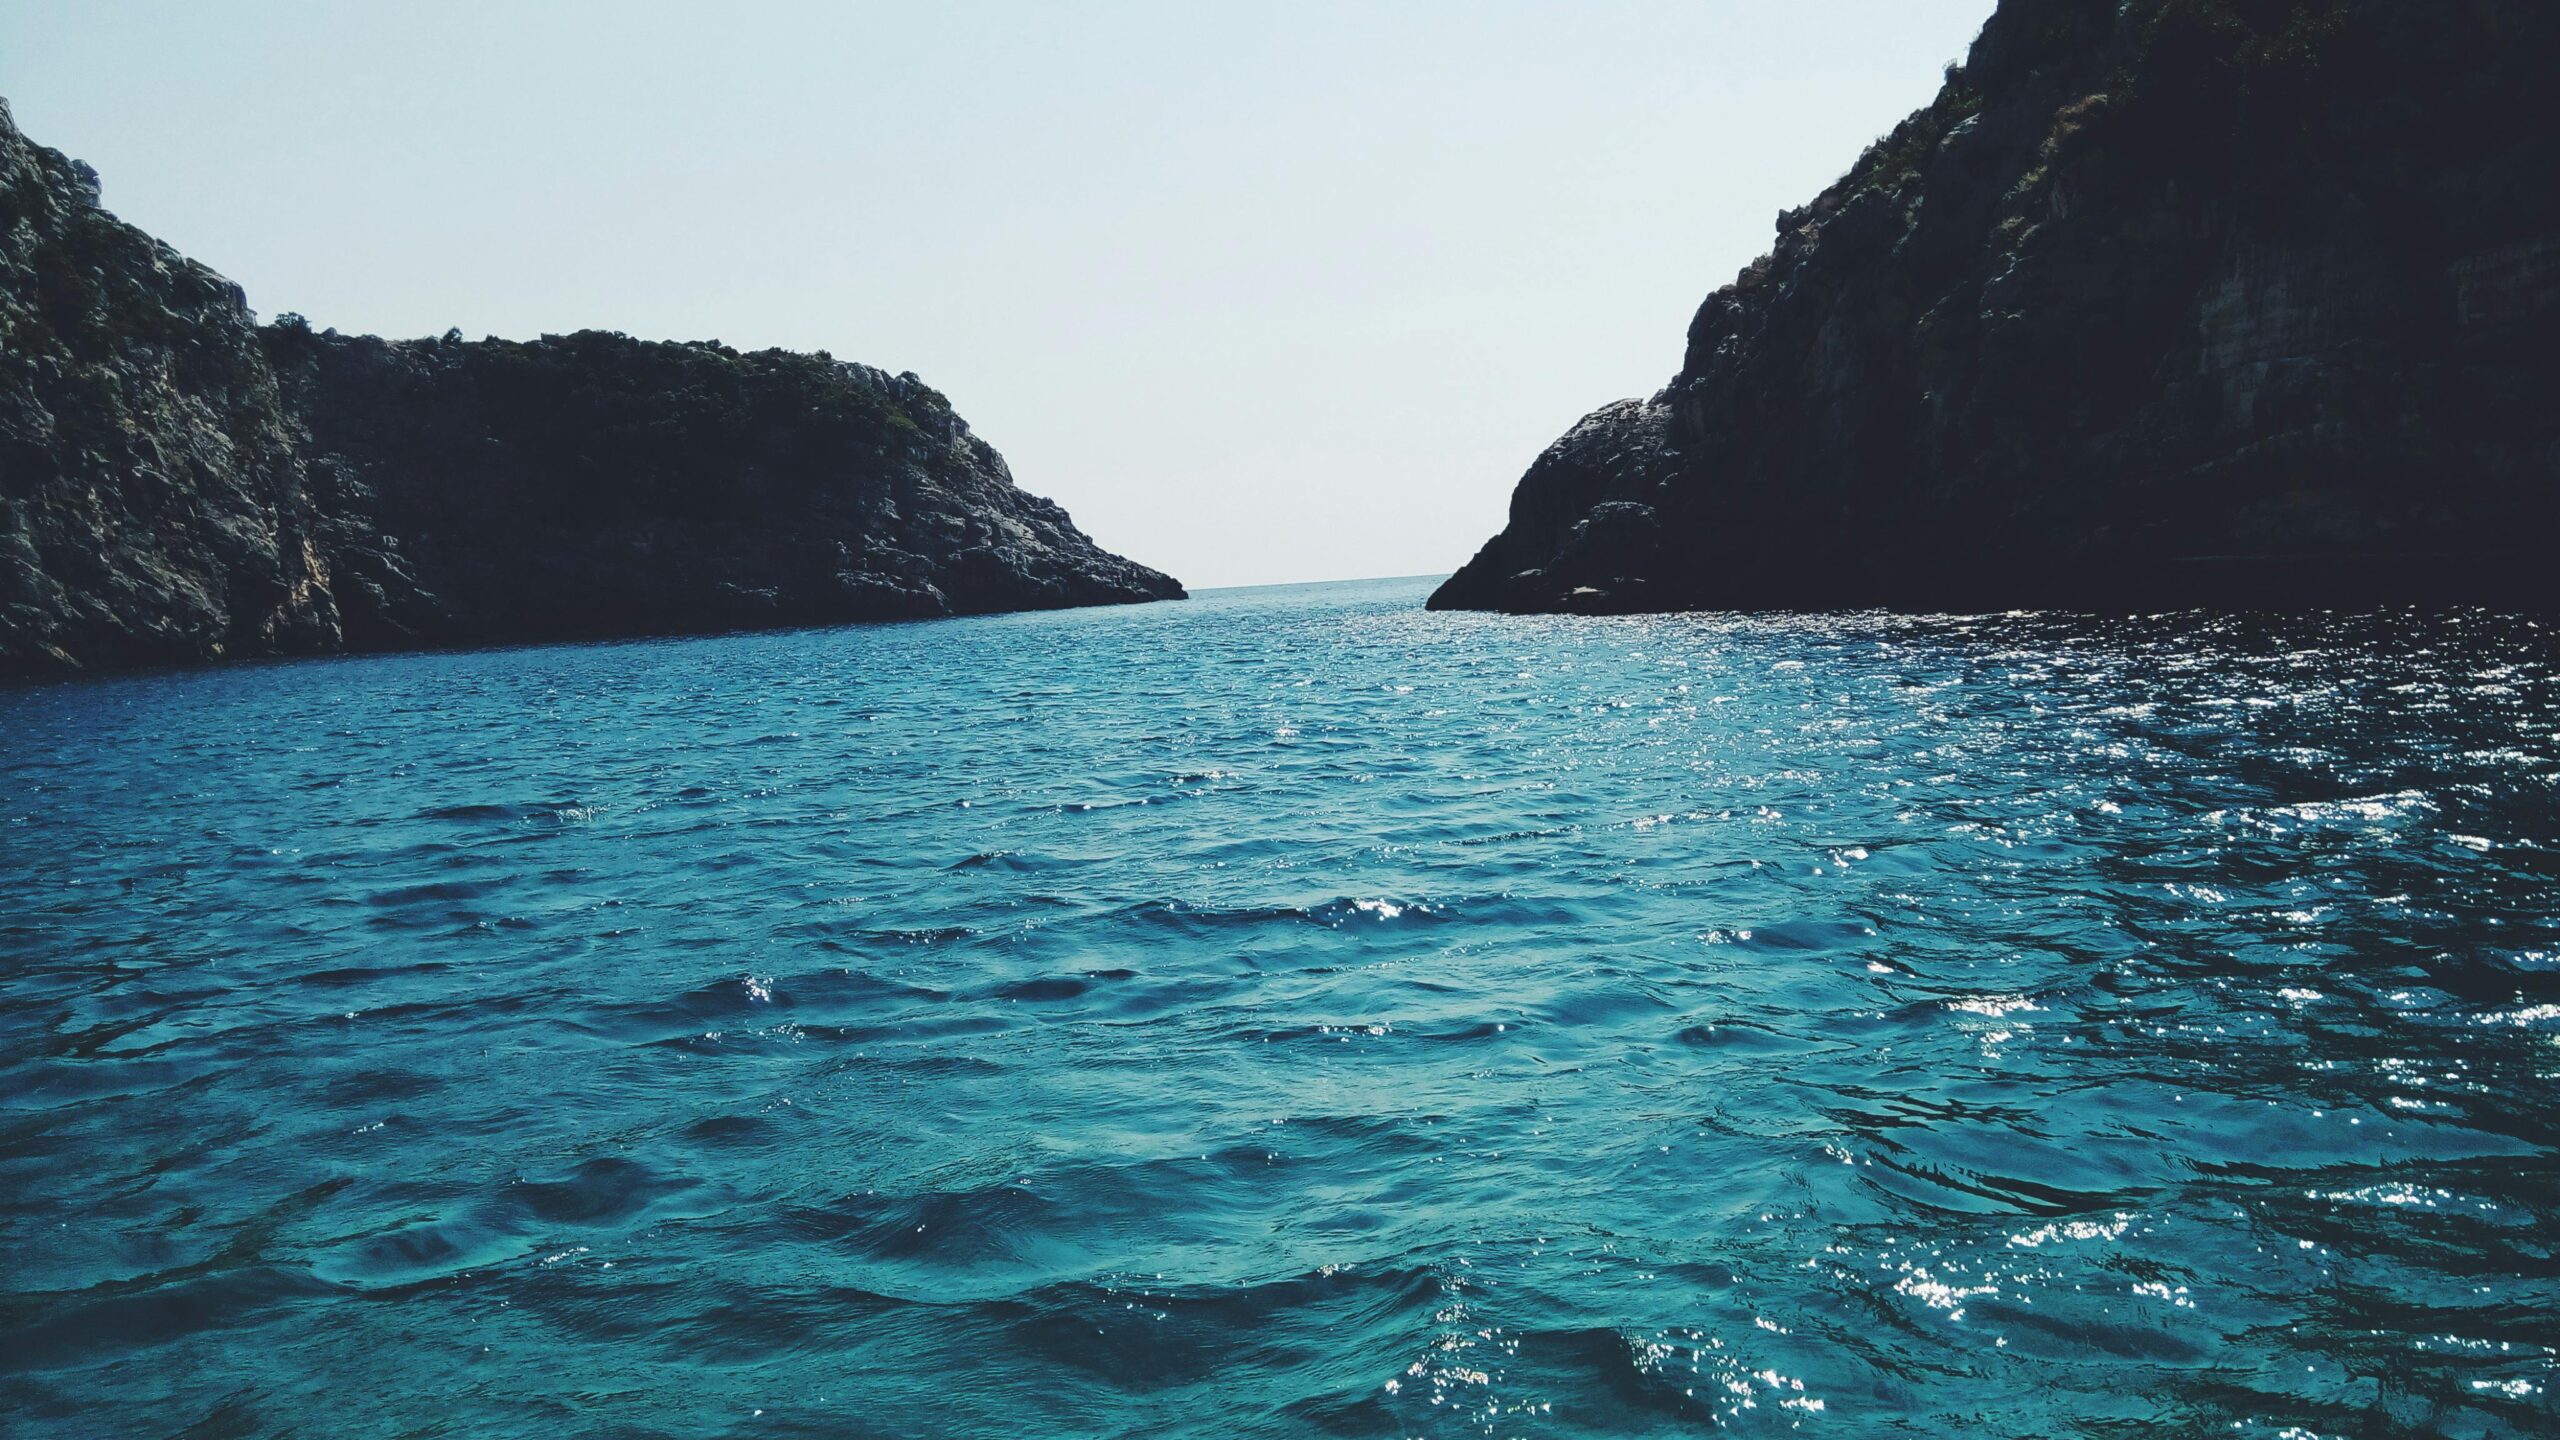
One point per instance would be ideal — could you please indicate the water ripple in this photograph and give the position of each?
(1296, 1013)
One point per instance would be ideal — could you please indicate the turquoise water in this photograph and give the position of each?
(1293, 1013)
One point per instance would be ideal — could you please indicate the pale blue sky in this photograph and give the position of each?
(1260, 293)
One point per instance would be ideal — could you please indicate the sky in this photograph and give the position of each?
(1260, 293)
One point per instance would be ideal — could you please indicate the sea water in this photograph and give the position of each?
(1294, 1013)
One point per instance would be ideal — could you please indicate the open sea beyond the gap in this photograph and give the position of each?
(1294, 1013)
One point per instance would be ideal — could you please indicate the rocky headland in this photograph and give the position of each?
(180, 483)
(2160, 302)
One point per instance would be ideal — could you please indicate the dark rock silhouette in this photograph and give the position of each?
(645, 487)
(2161, 302)
(178, 483)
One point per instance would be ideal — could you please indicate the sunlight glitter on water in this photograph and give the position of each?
(1293, 1012)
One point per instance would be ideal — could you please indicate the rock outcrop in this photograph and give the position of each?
(152, 504)
(593, 485)
(179, 483)
(2159, 302)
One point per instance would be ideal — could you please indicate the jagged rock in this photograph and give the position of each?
(152, 501)
(178, 483)
(2159, 302)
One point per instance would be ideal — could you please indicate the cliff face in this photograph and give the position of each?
(2159, 302)
(152, 505)
(178, 483)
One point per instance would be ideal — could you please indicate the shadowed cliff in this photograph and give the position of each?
(178, 483)
(2166, 302)
(592, 484)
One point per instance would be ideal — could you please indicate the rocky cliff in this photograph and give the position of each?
(152, 504)
(2159, 302)
(592, 484)
(178, 483)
